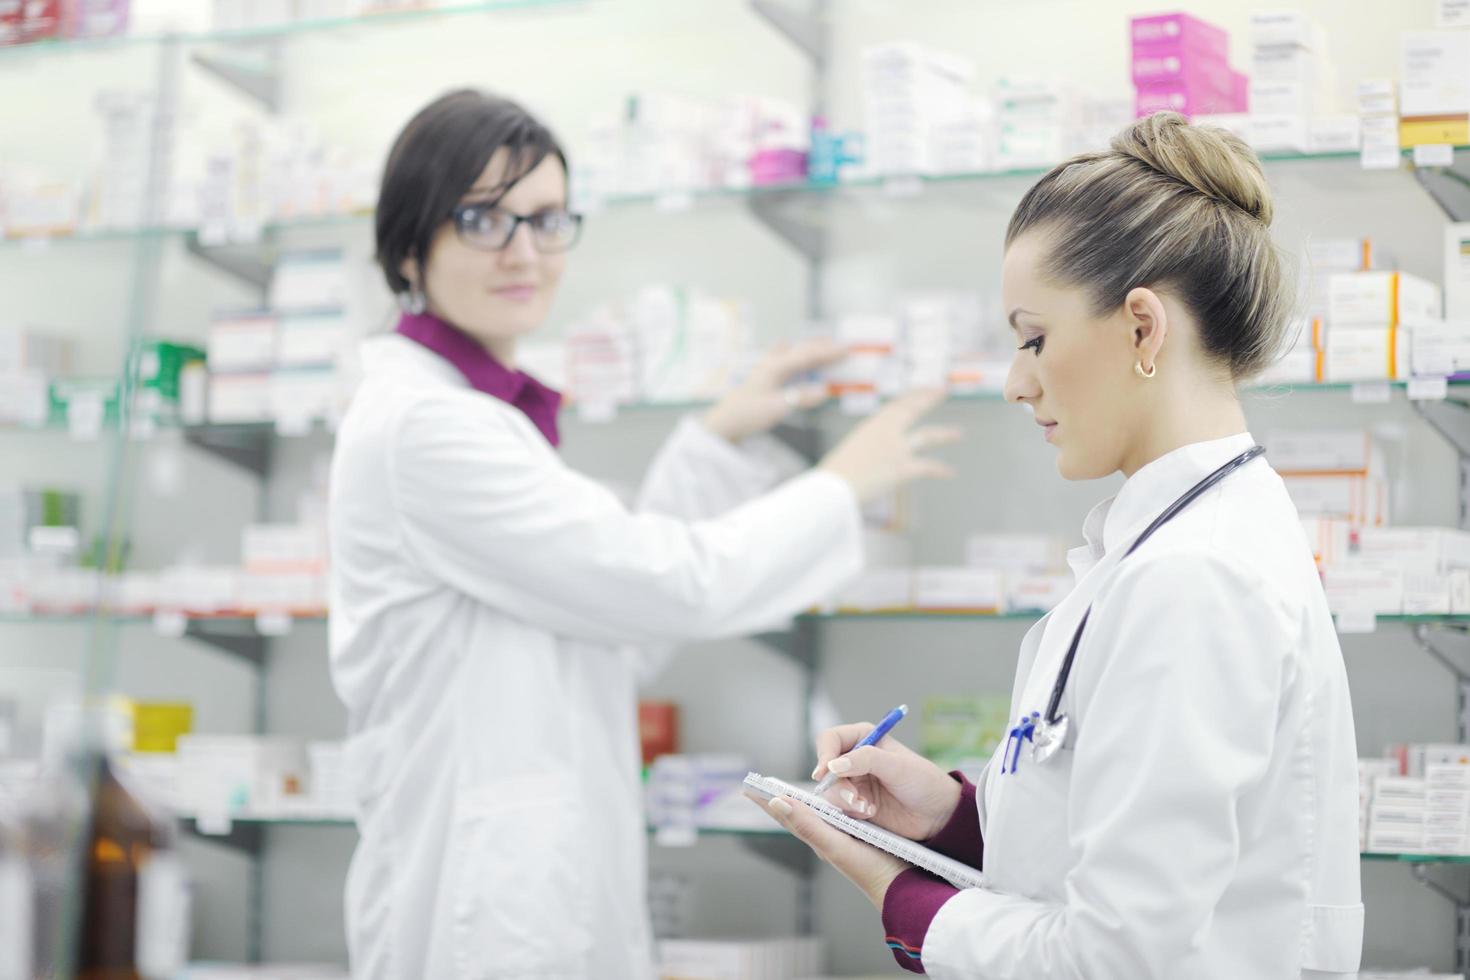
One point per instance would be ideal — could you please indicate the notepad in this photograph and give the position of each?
(952, 871)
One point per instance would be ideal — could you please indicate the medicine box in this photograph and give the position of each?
(1321, 451)
(1380, 299)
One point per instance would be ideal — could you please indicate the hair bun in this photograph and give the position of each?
(1213, 161)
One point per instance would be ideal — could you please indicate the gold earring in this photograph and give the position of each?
(1138, 370)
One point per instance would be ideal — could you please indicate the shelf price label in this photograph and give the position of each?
(1356, 621)
(214, 824)
(247, 231)
(1434, 155)
(1380, 142)
(1429, 389)
(213, 234)
(84, 414)
(170, 623)
(859, 403)
(291, 425)
(676, 836)
(903, 186)
(674, 201)
(597, 412)
(1372, 393)
(273, 623)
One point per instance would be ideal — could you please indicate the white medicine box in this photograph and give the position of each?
(309, 280)
(1354, 353)
(311, 339)
(1380, 299)
(1321, 451)
(1285, 27)
(242, 341)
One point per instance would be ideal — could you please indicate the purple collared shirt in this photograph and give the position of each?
(484, 373)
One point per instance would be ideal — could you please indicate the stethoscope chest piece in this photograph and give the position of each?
(1049, 737)
(1045, 738)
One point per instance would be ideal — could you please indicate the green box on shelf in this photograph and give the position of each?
(160, 362)
(46, 507)
(69, 393)
(959, 731)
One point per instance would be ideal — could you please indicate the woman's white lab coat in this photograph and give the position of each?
(492, 611)
(1201, 822)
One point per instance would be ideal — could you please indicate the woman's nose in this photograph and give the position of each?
(1021, 380)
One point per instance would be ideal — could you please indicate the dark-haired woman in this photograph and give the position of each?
(1178, 798)
(493, 609)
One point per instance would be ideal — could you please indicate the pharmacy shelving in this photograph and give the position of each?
(796, 212)
(247, 624)
(399, 16)
(235, 437)
(266, 236)
(246, 832)
(1417, 858)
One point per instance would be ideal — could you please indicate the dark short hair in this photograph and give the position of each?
(437, 157)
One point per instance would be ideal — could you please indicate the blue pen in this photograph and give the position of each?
(872, 738)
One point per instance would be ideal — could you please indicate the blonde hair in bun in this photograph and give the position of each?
(1174, 207)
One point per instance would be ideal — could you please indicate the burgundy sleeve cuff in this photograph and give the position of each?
(910, 904)
(960, 838)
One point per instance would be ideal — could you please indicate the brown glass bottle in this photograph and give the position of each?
(134, 918)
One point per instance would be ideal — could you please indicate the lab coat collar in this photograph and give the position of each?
(479, 366)
(1117, 521)
(394, 355)
(484, 373)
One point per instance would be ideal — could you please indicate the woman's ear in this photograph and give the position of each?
(1149, 322)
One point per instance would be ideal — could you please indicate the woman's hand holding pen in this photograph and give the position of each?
(888, 783)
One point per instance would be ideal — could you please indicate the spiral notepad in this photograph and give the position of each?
(952, 871)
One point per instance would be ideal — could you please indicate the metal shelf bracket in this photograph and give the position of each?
(255, 71)
(246, 447)
(805, 28)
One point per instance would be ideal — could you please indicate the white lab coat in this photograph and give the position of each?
(1201, 820)
(492, 611)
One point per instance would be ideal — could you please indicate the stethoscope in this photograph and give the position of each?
(1046, 733)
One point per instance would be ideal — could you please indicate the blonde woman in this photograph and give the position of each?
(1178, 798)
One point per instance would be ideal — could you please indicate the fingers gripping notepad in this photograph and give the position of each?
(952, 871)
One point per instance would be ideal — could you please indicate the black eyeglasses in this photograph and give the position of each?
(489, 228)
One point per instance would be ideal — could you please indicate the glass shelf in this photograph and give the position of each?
(1418, 858)
(1286, 387)
(680, 837)
(922, 614)
(894, 187)
(281, 821)
(247, 622)
(940, 616)
(54, 427)
(47, 619)
(777, 831)
(1276, 388)
(393, 17)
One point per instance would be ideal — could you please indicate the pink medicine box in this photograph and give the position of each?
(1194, 70)
(1178, 34)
